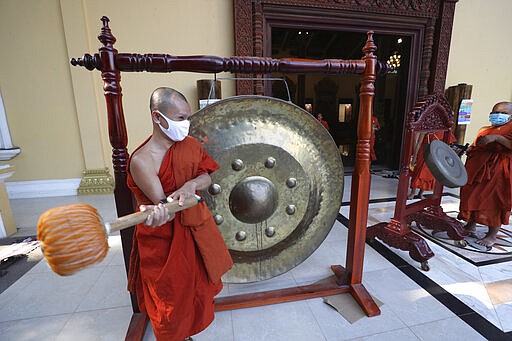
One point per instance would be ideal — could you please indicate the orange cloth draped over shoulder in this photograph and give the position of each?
(421, 177)
(173, 276)
(486, 198)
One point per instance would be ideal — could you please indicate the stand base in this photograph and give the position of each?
(139, 321)
(402, 238)
(435, 219)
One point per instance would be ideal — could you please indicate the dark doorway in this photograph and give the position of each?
(336, 97)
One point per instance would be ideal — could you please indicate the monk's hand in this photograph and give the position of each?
(486, 139)
(159, 214)
(186, 191)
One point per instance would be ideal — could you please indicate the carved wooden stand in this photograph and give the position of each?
(431, 114)
(347, 279)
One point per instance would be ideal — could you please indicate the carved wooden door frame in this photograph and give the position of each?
(428, 23)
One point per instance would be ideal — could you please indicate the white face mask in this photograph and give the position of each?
(177, 130)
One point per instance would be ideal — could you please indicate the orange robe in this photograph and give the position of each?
(324, 123)
(375, 128)
(486, 198)
(421, 177)
(167, 270)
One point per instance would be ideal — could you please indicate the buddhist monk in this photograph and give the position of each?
(320, 117)
(177, 260)
(421, 177)
(373, 137)
(486, 198)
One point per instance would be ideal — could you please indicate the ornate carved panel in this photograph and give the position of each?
(420, 8)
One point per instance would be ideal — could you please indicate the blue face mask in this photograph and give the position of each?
(498, 118)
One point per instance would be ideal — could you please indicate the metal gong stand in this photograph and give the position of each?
(347, 279)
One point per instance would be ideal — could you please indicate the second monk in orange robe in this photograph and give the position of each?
(421, 177)
(487, 197)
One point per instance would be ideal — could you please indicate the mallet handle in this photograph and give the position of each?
(139, 217)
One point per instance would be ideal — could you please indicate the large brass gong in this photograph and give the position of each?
(280, 183)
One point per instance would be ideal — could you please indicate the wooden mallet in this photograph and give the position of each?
(74, 236)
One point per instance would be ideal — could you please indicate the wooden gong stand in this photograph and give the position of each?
(431, 114)
(346, 279)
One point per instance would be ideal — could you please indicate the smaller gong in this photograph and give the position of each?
(444, 164)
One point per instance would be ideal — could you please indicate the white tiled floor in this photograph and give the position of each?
(94, 304)
(462, 279)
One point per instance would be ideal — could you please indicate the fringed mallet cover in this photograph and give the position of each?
(72, 237)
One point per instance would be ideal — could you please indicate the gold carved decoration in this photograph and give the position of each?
(96, 181)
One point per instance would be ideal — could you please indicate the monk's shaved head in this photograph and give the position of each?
(503, 107)
(163, 98)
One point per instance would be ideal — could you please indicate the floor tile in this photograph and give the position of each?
(453, 329)
(504, 312)
(41, 328)
(318, 265)
(404, 334)
(220, 329)
(409, 301)
(49, 294)
(104, 325)
(278, 322)
(496, 272)
(109, 291)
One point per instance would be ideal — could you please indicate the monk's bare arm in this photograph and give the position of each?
(146, 178)
(495, 138)
(202, 181)
(190, 187)
(504, 141)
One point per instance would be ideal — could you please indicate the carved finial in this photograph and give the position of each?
(106, 37)
(88, 61)
(383, 68)
(105, 20)
(370, 46)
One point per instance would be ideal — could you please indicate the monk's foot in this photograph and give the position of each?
(188, 339)
(487, 241)
(470, 227)
(422, 196)
(410, 197)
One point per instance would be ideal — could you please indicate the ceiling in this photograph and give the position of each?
(320, 44)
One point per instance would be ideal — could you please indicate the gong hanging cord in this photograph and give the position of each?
(252, 79)
(212, 87)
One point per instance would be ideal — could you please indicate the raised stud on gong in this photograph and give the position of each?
(291, 182)
(270, 162)
(214, 189)
(270, 231)
(291, 209)
(240, 235)
(218, 219)
(237, 165)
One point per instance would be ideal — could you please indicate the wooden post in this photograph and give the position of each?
(118, 137)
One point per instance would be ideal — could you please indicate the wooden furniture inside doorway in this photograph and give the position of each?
(347, 279)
